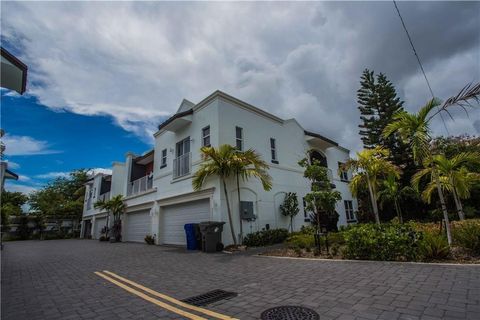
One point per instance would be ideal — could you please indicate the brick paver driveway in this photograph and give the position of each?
(55, 280)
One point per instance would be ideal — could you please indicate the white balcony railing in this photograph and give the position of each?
(182, 165)
(140, 185)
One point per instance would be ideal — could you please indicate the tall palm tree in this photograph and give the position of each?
(217, 162)
(370, 167)
(250, 164)
(117, 207)
(414, 129)
(453, 176)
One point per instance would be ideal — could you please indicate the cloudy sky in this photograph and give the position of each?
(114, 71)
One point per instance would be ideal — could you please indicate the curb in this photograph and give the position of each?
(373, 261)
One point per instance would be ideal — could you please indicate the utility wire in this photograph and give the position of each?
(419, 62)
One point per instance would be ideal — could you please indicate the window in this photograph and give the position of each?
(306, 215)
(349, 210)
(183, 147)
(239, 138)
(163, 163)
(273, 150)
(343, 173)
(206, 136)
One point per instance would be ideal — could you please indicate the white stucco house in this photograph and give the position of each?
(158, 184)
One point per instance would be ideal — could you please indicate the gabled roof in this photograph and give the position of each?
(185, 105)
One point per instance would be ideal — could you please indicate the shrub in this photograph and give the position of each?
(434, 247)
(386, 242)
(265, 237)
(301, 241)
(466, 234)
(149, 239)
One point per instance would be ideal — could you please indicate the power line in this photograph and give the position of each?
(419, 62)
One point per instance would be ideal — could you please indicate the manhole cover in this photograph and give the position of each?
(209, 297)
(289, 313)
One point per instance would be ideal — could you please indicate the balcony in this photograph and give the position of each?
(89, 204)
(104, 196)
(140, 185)
(182, 165)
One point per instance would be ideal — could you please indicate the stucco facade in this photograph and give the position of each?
(168, 188)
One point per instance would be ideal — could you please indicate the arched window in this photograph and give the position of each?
(315, 155)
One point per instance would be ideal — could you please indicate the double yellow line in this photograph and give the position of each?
(122, 283)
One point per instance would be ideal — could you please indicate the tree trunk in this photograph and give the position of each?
(239, 210)
(444, 206)
(230, 220)
(374, 201)
(458, 204)
(399, 211)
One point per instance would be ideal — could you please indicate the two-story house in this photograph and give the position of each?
(158, 185)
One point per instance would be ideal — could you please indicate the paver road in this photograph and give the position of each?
(55, 280)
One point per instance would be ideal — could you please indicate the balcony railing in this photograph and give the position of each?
(104, 196)
(140, 185)
(182, 165)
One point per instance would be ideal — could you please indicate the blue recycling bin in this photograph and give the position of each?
(191, 236)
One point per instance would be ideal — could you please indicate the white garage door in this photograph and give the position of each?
(176, 216)
(137, 226)
(99, 224)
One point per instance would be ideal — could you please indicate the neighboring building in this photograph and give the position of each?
(13, 72)
(14, 77)
(158, 185)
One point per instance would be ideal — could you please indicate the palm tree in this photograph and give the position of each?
(391, 192)
(414, 129)
(370, 166)
(217, 162)
(117, 207)
(453, 176)
(247, 164)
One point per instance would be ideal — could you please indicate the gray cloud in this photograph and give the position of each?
(136, 61)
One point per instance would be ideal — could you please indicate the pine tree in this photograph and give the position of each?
(377, 102)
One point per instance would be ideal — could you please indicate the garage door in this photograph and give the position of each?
(176, 216)
(137, 226)
(99, 224)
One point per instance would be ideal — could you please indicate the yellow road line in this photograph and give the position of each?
(150, 299)
(168, 298)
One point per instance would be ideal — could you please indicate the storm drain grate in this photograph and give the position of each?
(209, 297)
(289, 313)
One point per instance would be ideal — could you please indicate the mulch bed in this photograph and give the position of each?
(458, 256)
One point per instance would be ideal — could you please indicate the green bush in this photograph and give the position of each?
(387, 242)
(433, 247)
(301, 241)
(265, 238)
(466, 234)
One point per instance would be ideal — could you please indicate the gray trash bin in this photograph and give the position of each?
(211, 235)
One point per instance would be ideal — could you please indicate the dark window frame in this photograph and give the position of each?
(349, 212)
(163, 161)
(342, 173)
(239, 140)
(273, 150)
(206, 136)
